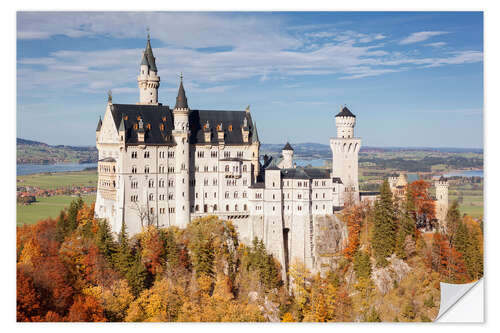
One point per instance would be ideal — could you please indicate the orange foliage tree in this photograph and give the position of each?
(423, 202)
(353, 217)
(447, 261)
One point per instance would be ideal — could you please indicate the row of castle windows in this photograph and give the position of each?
(107, 183)
(161, 169)
(106, 168)
(147, 155)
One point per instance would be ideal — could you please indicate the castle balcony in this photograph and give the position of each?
(232, 167)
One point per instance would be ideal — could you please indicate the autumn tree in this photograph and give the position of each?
(353, 217)
(425, 206)
(86, 309)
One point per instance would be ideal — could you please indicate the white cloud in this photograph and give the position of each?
(437, 44)
(260, 47)
(420, 36)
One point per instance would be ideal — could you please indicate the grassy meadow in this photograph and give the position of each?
(59, 179)
(46, 207)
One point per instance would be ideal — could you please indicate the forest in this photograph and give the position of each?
(72, 269)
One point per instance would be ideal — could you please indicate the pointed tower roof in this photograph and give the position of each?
(287, 147)
(181, 101)
(122, 126)
(255, 134)
(144, 60)
(99, 124)
(148, 53)
(345, 112)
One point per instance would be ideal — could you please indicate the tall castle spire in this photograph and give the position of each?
(148, 79)
(181, 101)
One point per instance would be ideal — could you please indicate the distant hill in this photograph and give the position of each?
(35, 152)
(30, 142)
(319, 148)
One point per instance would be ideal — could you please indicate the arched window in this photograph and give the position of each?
(215, 208)
(245, 208)
(235, 208)
(227, 208)
(197, 207)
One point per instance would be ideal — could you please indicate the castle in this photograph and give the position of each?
(398, 186)
(162, 166)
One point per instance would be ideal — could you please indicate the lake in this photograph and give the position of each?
(466, 173)
(28, 169)
(314, 163)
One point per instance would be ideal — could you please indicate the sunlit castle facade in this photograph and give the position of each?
(164, 167)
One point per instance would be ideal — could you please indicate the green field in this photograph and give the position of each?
(46, 207)
(59, 179)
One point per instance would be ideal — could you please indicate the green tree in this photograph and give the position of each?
(68, 222)
(384, 228)
(104, 241)
(453, 220)
(123, 258)
(362, 265)
(138, 277)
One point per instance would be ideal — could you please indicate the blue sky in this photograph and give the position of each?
(412, 79)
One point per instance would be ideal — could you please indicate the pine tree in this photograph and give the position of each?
(452, 220)
(362, 265)
(123, 258)
(105, 242)
(384, 229)
(138, 277)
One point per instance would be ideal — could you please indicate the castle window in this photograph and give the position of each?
(244, 181)
(227, 168)
(151, 197)
(170, 196)
(236, 195)
(244, 168)
(227, 208)
(146, 154)
(134, 169)
(215, 194)
(323, 195)
(227, 154)
(245, 207)
(146, 169)
(239, 154)
(205, 182)
(227, 195)
(171, 210)
(235, 208)
(274, 208)
(134, 154)
(213, 154)
(244, 194)
(215, 208)
(197, 208)
(151, 183)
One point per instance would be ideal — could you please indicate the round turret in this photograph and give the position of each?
(345, 122)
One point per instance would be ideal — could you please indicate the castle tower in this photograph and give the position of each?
(181, 136)
(442, 201)
(345, 149)
(287, 153)
(148, 79)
